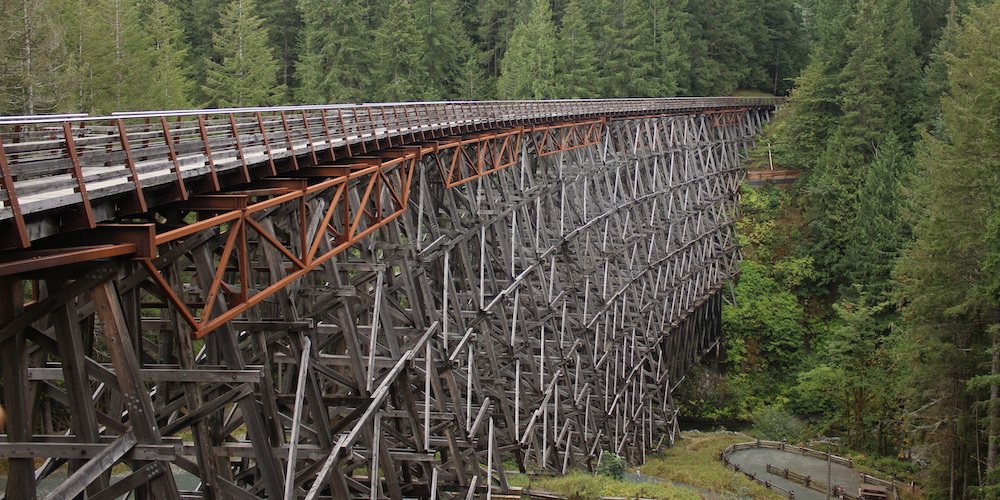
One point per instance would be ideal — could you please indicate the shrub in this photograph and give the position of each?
(775, 423)
(611, 465)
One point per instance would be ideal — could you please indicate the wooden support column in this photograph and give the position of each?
(136, 400)
(83, 416)
(21, 478)
(193, 397)
(228, 347)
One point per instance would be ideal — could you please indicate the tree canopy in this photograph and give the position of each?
(86, 56)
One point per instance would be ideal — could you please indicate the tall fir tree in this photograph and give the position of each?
(495, 24)
(529, 63)
(284, 24)
(951, 276)
(246, 72)
(576, 57)
(32, 57)
(859, 89)
(883, 227)
(785, 49)
(199, 19)
(448, 56)
(636, 51)
(170, 85)
(335, 48)
(399, 76)
(723, 47)
(116, 51)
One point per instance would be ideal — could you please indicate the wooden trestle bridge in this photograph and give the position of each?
(357, 301)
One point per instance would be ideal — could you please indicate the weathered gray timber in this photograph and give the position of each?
(394, 324)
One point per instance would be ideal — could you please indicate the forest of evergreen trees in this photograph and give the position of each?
(99, 56)
(869, 304)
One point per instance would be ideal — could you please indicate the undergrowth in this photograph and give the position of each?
(695, 461)
(582, 486)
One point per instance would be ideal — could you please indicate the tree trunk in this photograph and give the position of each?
(28, 104)
(994, 414)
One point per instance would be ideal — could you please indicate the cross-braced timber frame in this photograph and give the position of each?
(396, 323)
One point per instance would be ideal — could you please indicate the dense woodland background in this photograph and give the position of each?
(869, 303)
(99, 56)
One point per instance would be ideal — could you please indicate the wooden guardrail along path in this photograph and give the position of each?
(796, 477)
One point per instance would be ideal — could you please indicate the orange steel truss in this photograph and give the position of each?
(366, 194)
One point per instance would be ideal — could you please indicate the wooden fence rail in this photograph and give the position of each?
(753, 476)
(797, 477)
(781, 445)
(809, 482)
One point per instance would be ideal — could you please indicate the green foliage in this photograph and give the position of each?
(816, 391)
(284, 25)
(611, 465)
(198, 19)
(32, 51)
(170, 84)
(336, 39)
(640, 56)
(246, 72)
(576, 71)
(811, 117)
(399, 76)
(861, 350)
(528, 66)
(115, 47)
(857, 102)
(879, 235)
(766, 328)
(950, 274)
(775, 423)
(76, 55)
(448, 56)
(579, 486)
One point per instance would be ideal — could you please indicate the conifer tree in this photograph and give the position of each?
(246, 72)
(842, 113)
(116, 51)
(576, 61)
(199, 19)
(398, 76)
(32, 56)
(951, 276)
(495, 23)
(784, 47)
(284, 24)
(170, 85)
(637, 59)
(883, 228)
(529, 64)
(724, 48)
(335, 47)
(448, 57)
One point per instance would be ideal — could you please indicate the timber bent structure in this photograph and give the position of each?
(358, 301)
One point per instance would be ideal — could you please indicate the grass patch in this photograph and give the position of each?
(695, 461)
(581, 486)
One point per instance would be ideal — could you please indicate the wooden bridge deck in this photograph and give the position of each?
(59, 175)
